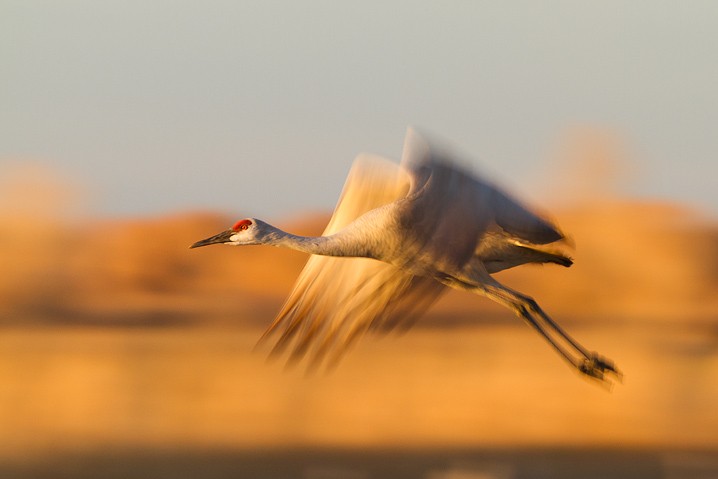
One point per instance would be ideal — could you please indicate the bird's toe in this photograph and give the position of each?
(598, 367)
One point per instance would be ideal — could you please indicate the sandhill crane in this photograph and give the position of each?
(430, 224)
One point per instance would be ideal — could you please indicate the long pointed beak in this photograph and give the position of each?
(220, 238)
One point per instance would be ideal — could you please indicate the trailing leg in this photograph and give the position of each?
(586, 362)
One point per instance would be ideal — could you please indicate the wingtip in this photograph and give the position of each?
(416, 147)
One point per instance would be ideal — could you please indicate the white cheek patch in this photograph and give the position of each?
(234, 238)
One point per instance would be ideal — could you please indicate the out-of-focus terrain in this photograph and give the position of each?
(122, 352)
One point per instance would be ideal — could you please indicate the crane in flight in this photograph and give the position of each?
(399, 236)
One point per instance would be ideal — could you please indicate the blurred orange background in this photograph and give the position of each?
(116, 337)
(130, 130)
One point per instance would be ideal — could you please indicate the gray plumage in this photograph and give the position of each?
(398, 237)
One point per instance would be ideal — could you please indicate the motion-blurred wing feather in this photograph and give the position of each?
(456, 206)
(336, 300)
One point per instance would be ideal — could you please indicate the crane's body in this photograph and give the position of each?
(398, 237)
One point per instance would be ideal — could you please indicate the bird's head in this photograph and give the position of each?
(248, 231)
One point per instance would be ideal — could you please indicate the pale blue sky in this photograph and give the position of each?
(258, 108)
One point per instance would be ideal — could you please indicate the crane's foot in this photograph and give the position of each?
(598, 367)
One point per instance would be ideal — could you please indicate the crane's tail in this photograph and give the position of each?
(535, 255)
(500, 251)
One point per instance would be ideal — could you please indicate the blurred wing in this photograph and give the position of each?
(336, 300)
(372, 182)
(449, 208)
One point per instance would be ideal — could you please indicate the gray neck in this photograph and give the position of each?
(339, 244)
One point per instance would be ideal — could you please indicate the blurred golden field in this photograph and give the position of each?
(125, 354)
